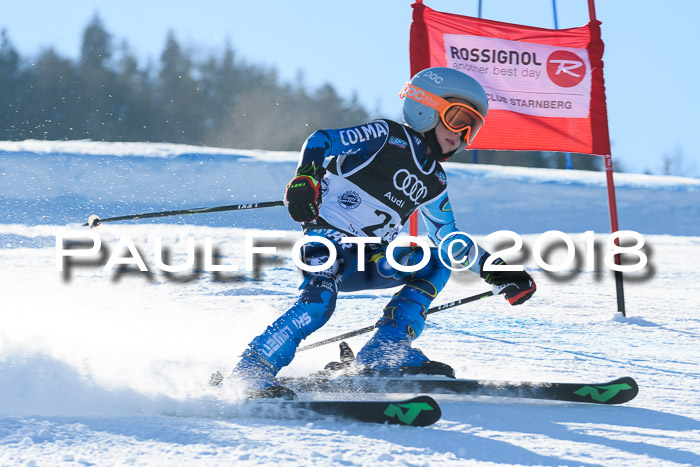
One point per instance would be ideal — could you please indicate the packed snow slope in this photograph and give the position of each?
(109, 368)
(62, 182)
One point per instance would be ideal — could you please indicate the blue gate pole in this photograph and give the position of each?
(556, 26)
(475, 152)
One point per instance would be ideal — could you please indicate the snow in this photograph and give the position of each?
(109, 368)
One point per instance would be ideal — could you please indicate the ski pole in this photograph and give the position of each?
(434, 309)
(94, 221)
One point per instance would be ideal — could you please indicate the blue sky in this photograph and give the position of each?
(361, 47)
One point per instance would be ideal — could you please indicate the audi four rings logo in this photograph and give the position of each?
(410, 185)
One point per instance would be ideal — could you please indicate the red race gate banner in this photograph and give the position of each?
(545, 86)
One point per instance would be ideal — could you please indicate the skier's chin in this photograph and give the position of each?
(449, 148)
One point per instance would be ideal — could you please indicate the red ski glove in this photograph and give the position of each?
(517, 286)
(303, 196)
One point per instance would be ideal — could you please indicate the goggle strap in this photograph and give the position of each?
(424, 97)
(429, 99)
(435, 102)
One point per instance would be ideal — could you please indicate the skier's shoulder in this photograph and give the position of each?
(378, 128)
(384, 129)
(402, 135)
(400, 129)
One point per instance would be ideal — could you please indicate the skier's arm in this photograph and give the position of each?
(356, 144)
(440, 222)
(316, 148)
(359, 142)
(517, 286)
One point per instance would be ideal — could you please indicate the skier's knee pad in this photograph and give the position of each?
(407, 315)
(435, 273)
(419, 290)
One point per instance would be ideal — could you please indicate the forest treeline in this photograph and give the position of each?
(217, 100)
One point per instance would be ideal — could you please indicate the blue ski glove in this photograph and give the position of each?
(303, 196)
(517, 286)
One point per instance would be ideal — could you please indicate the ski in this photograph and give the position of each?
(417, 411)
(617, 391)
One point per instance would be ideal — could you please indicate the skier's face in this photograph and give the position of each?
(448, 140)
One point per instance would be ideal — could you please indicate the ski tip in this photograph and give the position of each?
(617, 391)
(630, 393)
(418, 411)
(629, 390)
(627, 380)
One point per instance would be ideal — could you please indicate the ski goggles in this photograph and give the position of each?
(456, 116)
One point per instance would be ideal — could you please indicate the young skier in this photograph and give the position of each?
(366, 181)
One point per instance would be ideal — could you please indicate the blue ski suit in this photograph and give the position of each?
(377, 175)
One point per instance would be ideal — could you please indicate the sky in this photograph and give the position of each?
(361, 48)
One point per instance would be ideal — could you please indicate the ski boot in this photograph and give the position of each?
(389, 353)
(258, 377)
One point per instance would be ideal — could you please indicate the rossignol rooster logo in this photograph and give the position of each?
(565, 69)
